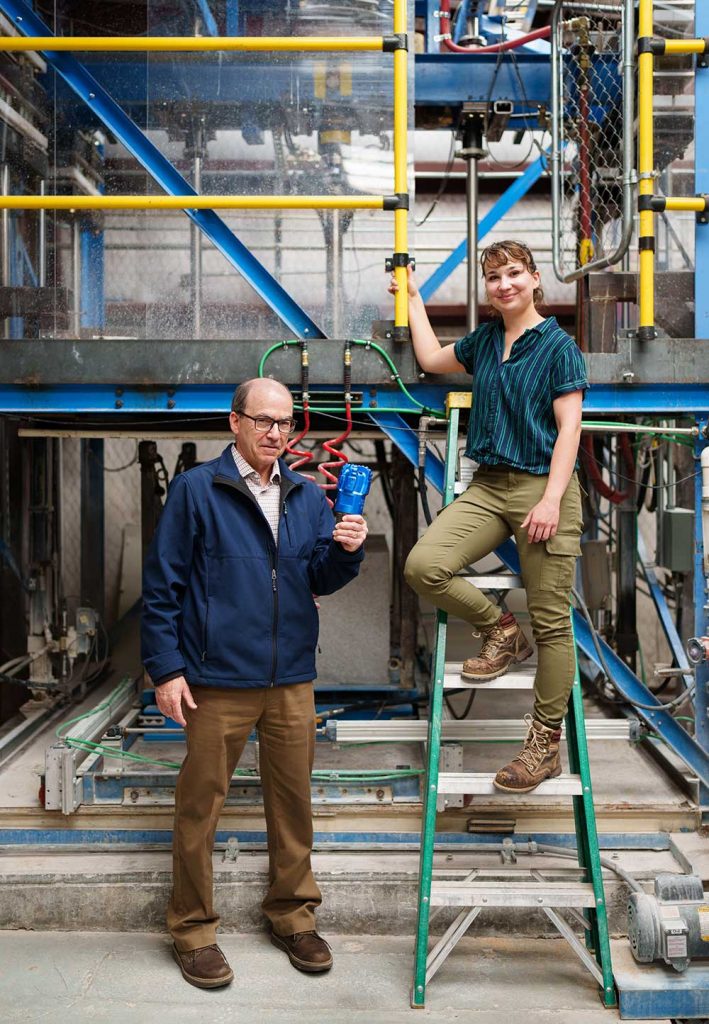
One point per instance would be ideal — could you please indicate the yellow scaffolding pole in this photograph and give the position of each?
(172, 44)
(646, 175)
(401, 251)
(399, 203)
(53, 202)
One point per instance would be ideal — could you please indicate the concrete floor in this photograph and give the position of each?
(106, 978)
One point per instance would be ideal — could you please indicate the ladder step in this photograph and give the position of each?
(518, 679)
(491, 730)
(511, 894)
(480, 784)
(500, 581)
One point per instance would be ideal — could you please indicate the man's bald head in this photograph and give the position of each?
(258, 388)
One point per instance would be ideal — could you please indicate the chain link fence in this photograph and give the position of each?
(591, 167)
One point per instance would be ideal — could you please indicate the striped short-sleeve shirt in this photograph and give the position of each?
(512, 418)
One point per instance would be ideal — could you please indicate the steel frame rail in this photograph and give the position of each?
(650, 47)
(180, 194)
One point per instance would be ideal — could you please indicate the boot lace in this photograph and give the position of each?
(494, 639)
(536, 746)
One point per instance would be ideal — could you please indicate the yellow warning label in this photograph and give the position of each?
(703, 912)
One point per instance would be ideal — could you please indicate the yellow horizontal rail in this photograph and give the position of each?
(695, 204)
(191, 202)
(676, 46)
(203, 43)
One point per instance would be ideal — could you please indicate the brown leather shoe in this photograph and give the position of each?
(306, 951)
(205, 967)
(537, 760)
(504, 644)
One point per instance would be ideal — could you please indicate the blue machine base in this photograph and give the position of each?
(656, 991)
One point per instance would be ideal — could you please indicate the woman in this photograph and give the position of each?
(528, 384)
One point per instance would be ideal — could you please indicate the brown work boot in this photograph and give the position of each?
(503, 645)
(205, 967)
(537, 760)
(306, 951)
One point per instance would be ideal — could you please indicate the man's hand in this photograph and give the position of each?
(542, 521)
(350, 532)
(169, 697)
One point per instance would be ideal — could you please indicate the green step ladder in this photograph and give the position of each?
(582, 897)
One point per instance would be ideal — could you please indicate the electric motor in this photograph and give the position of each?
(671, 925)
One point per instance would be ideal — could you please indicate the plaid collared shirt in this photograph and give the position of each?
(268, 496)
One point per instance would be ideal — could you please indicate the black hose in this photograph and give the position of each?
(423, 494)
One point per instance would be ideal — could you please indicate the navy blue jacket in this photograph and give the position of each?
(222, 603)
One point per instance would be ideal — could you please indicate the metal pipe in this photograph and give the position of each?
(334, 283)
(628, 149)
(5, 241)
(99, 202)
(42, 241)
(646, 175)
(212, 44)
(196, 242)
(76, 274)
(471, 153)
(401, 117)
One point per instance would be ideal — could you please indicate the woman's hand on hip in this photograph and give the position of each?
(542, 521)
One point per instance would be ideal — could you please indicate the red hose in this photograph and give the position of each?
(331, 446)
(303, 457)
(594, 473)
(508, 44)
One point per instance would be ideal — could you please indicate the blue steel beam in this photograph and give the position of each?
(210, 26)
(163, 172)
(663, 612)
(519, 188)
(450, 79)
(654, 400)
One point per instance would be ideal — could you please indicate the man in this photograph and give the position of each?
(229, 633)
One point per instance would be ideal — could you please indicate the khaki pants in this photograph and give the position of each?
(490, 511)
(216, 734)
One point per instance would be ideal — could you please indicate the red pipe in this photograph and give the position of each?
(331, 446)
(303, 457)
(594, 473)
(508, 44)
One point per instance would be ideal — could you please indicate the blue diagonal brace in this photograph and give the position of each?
(519, 188)
(666, 621)
(210, 25)
(625, 681)
(161, 170)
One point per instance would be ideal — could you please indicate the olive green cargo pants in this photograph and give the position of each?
(490, 511)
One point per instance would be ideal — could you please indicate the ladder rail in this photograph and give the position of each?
(428, 824)
(583, 901)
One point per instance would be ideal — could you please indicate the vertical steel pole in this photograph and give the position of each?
(5, 254)
(646, 171)
(334, 283)
(701, 330)
(401, 119)
(196, 242)
(42, 241)
(471, 196)
(76, 274)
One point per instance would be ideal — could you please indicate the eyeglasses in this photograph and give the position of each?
(264, 424)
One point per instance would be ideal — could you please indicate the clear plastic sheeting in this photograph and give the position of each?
(254, 124)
